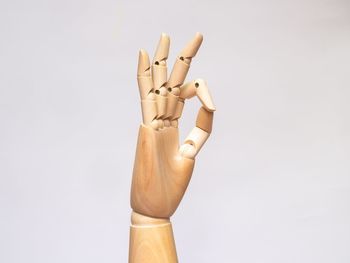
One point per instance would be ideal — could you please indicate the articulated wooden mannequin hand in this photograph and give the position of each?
(162, 168)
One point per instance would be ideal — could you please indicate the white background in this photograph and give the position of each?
(271, 185)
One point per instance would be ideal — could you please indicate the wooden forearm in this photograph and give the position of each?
(151, 240)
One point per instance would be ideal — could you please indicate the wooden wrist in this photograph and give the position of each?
(151, 240)
(143, 220)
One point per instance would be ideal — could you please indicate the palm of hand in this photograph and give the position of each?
(161, 174)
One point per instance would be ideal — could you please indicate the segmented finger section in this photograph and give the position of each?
(148, 102)
(205, 120)
(199, 134)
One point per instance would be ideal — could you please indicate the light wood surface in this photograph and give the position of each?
(152, 244)
(160, 175)
(162, 167)
(151, 240)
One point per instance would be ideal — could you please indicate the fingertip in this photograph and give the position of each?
(209, 106)
(165, 36)
(162, 51)
(165, 39)
(199, 36)
(143, 53)
(193, 46)
(144, 63)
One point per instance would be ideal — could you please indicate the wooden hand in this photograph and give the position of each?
(162, 168)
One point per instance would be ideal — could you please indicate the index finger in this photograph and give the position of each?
(183, 61)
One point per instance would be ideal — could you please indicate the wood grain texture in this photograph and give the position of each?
(160, 175)
(152, 244)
